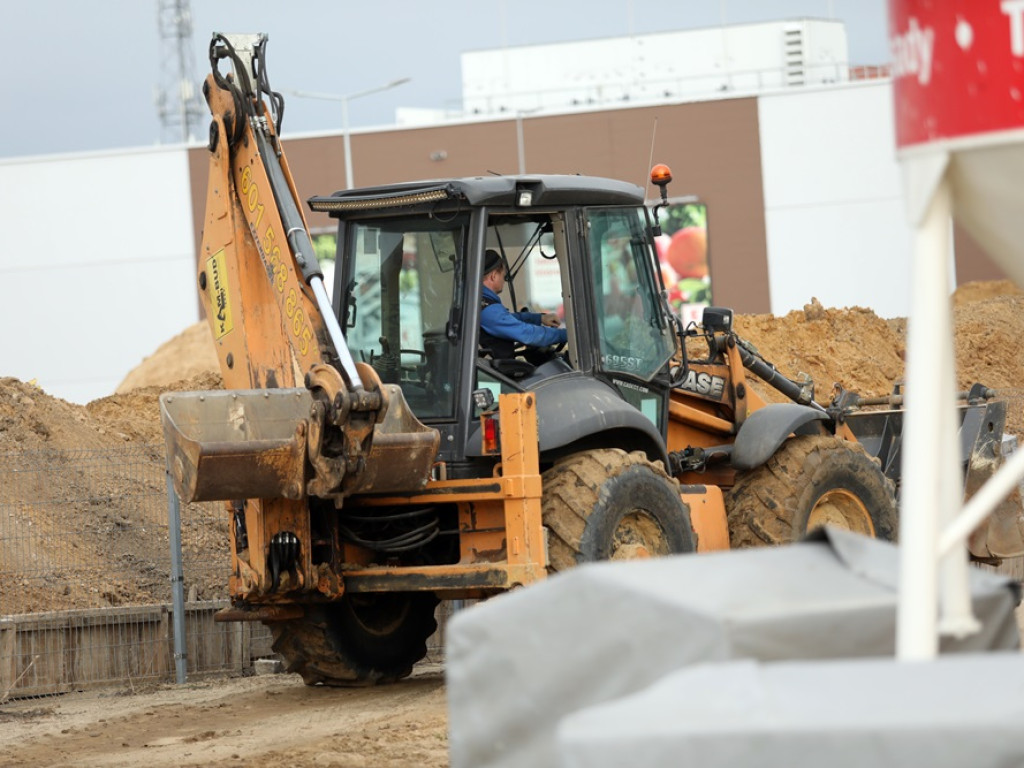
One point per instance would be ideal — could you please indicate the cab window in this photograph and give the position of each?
(399, 294)
(633, 335)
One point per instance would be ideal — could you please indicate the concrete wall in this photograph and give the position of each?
(98, 266)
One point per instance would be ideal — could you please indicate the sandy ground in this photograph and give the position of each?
(268, 720)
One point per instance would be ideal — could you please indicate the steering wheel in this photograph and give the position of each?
(540, 355)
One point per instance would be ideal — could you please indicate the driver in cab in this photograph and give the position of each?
(501, 330)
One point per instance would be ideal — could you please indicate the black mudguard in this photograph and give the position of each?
(573, 407)
(767, 428)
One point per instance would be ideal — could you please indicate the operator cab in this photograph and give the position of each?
(408, 290)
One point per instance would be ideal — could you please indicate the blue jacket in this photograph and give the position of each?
(523, 327)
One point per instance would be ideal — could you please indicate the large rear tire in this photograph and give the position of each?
(811, 481)
(363, 639)
(611, 505)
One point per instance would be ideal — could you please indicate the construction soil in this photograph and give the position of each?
(271, 720)
(275, 720)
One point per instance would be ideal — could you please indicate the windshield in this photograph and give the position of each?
(633, 335)
(398, 297)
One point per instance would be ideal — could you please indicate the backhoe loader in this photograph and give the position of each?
(375, 458)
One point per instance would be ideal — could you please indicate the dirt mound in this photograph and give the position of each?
(191, 353)
(853, 347)
(31, 419)
(985, 289)
(989, 342)
(862, 352)
(989, 346)
(135, 413)
(84, 515)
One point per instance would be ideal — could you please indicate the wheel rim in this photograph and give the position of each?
(841, 509)
(638, 536)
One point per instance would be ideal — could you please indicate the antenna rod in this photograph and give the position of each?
(650, 161)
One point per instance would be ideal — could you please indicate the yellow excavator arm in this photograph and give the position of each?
(259, 272)
(298, 415)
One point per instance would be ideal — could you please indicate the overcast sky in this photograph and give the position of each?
(80, 75)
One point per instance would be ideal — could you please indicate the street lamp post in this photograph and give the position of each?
(344, 115)
(520, 143)
(521, 149)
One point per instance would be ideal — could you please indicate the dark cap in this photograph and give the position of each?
(491, 261)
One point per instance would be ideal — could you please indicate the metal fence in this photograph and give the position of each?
(85, 576)
(85, 591)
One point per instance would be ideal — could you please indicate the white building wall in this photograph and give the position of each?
(97, 266)
(834, 211)
(676, 65)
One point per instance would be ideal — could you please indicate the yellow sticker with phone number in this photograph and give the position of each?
(220, 298)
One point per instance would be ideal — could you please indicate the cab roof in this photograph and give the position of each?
(525, 191)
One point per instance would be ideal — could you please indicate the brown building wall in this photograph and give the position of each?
(199, 174)
(712, 147)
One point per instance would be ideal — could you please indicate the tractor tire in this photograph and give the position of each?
(811, 481)
(611, 505)
(361, 640)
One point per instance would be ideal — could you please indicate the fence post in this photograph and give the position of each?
(8, 662)
(177, 581)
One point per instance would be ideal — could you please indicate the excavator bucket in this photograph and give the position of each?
(237, 444)
(403, 450)
(254, 444)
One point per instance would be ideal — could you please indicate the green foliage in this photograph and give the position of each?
(676, 216)
(325, 246)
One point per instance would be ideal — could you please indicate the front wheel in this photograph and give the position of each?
(811, 481)
(362, 639)
(611, 505)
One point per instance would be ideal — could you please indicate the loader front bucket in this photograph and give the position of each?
(1000, 535)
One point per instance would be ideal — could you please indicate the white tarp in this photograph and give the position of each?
(955, 711)
(521, 662)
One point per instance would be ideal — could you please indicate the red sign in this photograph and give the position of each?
(958, 69)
